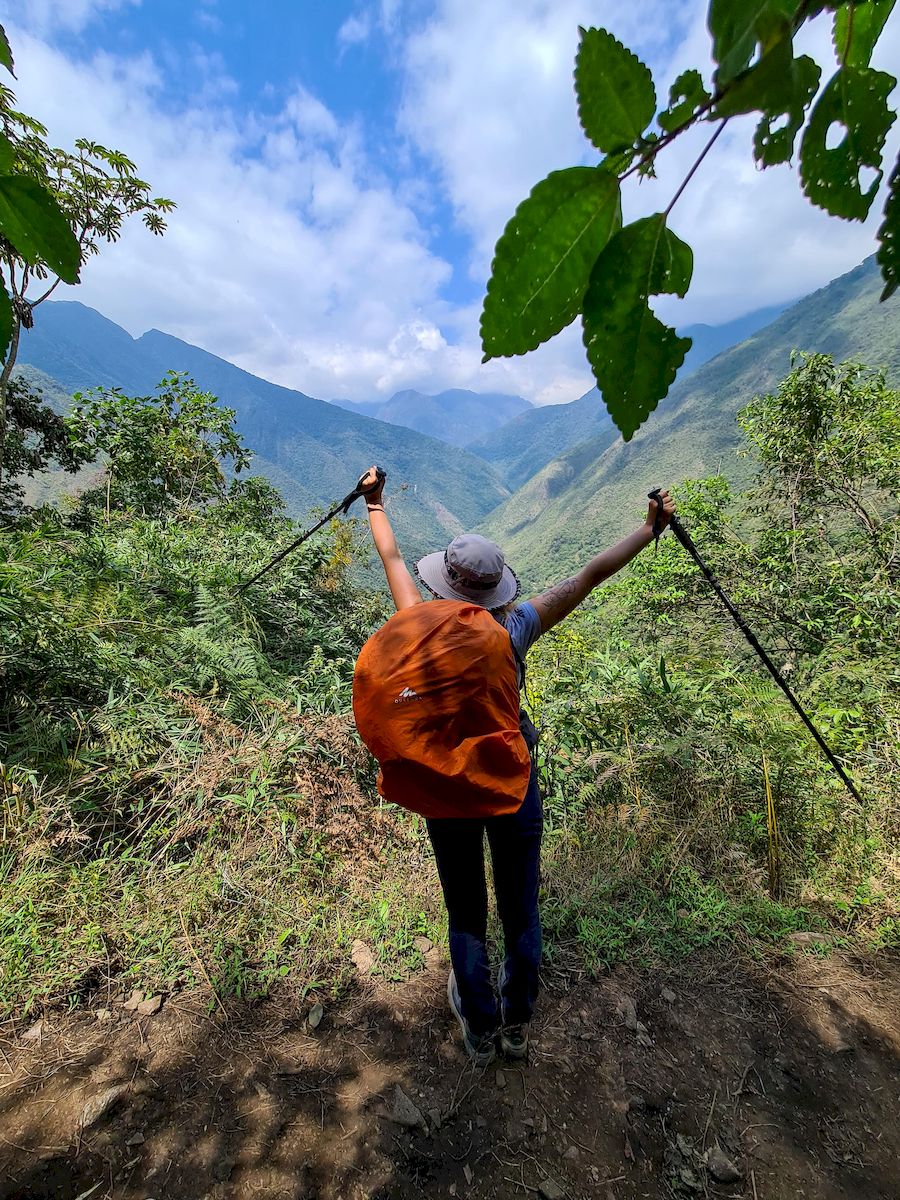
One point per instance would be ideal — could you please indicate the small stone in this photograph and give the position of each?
(406, 1113)
(363, 958)
(133, 1000)
(434, 1116)
(803, 939)
(316, 1013)
(150, 1007)
(136, 1139)
(452, 1189)
(34, 1033)
(721, 1167)
(100, 1105)
(501, 1079)
(550, 1190)
(103, 1014)
(668, 995)
(480, 1122)
(636, 1103)
(571, 1154)
(626, 1010)
(422, 944)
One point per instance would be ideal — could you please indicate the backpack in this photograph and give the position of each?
(436, 700)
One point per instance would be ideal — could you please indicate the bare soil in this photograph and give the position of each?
(638, 1085)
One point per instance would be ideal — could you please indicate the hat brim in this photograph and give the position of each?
(432, 572)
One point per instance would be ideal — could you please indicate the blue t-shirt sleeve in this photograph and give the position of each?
(524, 627)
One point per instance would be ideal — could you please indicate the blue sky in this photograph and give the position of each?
(343, 169)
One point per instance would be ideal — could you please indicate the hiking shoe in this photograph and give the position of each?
(481, 1050)
(514, 1041)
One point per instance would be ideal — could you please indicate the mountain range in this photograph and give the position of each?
(596, 491)
(454, 416)
(552, 484)
(312, 450)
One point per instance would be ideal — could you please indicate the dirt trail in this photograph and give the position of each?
(790, 1076)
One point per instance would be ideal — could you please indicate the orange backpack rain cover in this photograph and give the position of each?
(436, 700)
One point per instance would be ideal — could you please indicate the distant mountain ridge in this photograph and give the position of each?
(455, 416)
(596, 491)
(520, 448)
(314, 451)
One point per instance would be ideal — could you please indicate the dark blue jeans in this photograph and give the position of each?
(515, 842)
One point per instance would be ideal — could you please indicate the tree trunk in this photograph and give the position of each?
(4, 385)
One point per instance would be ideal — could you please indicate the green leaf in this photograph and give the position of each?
(857, 27)
(7, 320)
(6, 57)
(686, 95)
(888, 253)
(31, 220)
(7, 155)
(635, 356)
(544, 258)
(771, 145)
(855, 97)
(616, 96)
(739, 26)
(766, 87)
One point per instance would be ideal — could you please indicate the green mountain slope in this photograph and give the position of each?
(455, 416)
(312, 450)
(520, 448)
(596, 491)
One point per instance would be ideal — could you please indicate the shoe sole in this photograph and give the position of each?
(481, 1058)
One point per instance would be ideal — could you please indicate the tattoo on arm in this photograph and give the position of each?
(559, 600)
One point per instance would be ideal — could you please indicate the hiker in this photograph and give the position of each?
(472, 569)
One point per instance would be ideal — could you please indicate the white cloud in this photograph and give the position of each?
(356, 29)
(294, 255)
(490, 100)
(53, 16)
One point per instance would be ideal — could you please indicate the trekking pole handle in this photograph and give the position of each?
(380, 476)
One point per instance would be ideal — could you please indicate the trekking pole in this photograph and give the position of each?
(343, 507)
(685, 538)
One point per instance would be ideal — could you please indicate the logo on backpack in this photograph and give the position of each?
(406, 695)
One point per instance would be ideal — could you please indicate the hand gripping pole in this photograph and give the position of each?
(343, 507)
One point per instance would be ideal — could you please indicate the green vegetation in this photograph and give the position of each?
(593, 493)
(186, 803)
(565, 251)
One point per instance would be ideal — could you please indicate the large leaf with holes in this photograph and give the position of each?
(616, 96)
(686, 95)
(888, 254)
(31, 221)
(635, 357)
(776, 132)
(857, 27)
(855, 98)
(739, 26)
(544, 258)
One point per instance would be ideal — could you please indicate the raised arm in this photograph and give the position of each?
(557, 602)
(401, 583)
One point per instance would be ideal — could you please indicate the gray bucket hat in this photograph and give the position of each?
(471, 569)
